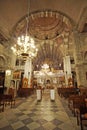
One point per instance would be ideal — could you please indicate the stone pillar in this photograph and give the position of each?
(78, 56)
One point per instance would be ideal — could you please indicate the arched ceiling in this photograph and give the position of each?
(51, 24)
(49, 29)
(44, 25)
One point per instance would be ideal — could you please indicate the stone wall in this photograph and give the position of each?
(81, 58)
(7, 62)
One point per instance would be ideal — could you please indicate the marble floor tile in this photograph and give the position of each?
(29, 114)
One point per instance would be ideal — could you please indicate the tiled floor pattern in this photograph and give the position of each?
(34, 115)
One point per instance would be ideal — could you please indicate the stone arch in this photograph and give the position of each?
(20, 25)
(2, 61)
(54, 26)
(83, 20)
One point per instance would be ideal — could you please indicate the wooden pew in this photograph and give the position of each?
(66, 92)
(83, 116)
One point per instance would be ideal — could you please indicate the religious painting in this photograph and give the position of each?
(25, 83)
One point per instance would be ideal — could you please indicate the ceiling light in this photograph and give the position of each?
(25, 43)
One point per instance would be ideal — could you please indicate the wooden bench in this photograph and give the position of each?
(83, 116)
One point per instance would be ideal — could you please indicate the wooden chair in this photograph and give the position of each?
(83, 116)
(78, 104)
(8, 100)
(70, 100)
(75, 102)
(11, 96)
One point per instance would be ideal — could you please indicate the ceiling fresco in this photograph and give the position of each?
(50, 25)
(49, 29)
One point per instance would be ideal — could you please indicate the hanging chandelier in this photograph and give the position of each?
(25, 44)
(25, 47)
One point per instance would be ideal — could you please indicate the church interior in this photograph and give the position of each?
(43, 65)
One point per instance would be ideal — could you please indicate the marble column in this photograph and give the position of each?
(67, 69)
(28, 71)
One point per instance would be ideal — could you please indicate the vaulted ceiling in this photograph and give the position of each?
(51, 24)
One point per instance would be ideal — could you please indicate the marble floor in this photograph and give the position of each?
(30, 114)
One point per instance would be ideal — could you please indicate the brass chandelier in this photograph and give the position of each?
(25, 44)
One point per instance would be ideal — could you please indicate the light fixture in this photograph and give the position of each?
(25, 46)
(45, 66)
(8, 72)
